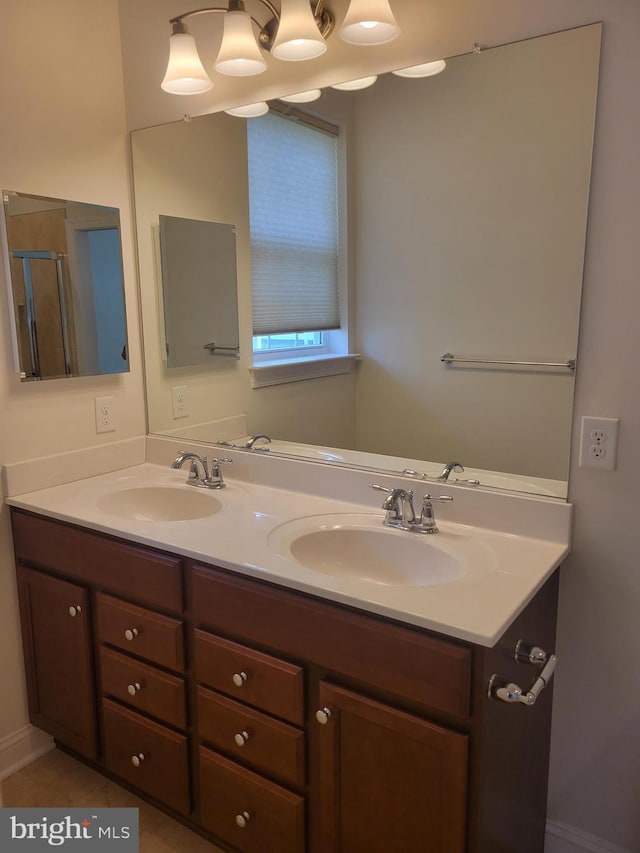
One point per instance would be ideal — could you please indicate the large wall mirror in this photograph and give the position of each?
(66, 290)
(463, 211)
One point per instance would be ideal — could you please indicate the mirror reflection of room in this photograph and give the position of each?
(462, 216)
(66, 283)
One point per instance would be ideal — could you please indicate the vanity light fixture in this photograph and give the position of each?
(369, 22)
(426, 69)
(239, 54)
(354, 85)
(249, 110)
(297, 31)
(301, 97)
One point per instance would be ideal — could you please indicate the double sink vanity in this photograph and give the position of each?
(272, 665)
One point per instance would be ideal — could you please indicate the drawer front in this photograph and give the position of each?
(143, 687)
(137, 573)
(266, 682)
(245, 810)
(403, 661)
(141, 632)
(266, 744)
(147, 755)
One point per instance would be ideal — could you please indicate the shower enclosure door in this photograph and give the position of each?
(39, 312)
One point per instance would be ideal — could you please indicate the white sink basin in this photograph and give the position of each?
(160, 503)
(358, 546)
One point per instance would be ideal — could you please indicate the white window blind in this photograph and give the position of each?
(293, 203)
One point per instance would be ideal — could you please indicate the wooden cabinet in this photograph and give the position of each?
(273, 720)
(388, 780)
(104, 669)
(56, 630)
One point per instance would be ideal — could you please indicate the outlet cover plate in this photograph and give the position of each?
(179, 402)
(105, 414)
(599, 443)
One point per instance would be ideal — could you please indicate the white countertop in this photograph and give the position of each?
(478, 606)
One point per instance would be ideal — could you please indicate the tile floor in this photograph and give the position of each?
(56, 779)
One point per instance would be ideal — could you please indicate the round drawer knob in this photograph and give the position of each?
(243, 819)
(239, 678)
(75, 611)
(132, 689)
(241, 738)
(137, 760)
(323, 715)
(131, 634)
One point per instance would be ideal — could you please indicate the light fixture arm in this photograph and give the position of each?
(324, 19)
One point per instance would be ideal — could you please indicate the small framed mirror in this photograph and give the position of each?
(66, 288)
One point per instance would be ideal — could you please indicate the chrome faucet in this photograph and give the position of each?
(450, 468)
(399, 507)
(199, 473)
(259, 437)
(401, 514)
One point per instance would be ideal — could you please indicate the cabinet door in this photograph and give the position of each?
(57, 645)
(388, 780)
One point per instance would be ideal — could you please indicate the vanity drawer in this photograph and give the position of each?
(266, 682)
(143, 687)
(264, 743)
(369, 650)
(141, 632)
(138, 573)
(230, 795)
(159, 753)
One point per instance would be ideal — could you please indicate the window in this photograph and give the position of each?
(293, 201)
(301, 342)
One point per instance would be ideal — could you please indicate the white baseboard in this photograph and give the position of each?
(562, 838)
(21, 748)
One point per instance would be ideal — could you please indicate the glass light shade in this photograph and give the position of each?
(369, 22)
(239, 54)
(302, 97)
(185, 73)
(427, 69)
(354, 85)
(298, 37)
(249, 110)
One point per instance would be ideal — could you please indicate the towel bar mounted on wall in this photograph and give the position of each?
(450, 358)
(214, 349)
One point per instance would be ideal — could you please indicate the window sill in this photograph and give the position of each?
(297, 369)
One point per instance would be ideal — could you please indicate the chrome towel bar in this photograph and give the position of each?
(450, 358)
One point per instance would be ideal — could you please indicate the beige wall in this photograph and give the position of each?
(63, 136)
(192, 170)
(594, 775)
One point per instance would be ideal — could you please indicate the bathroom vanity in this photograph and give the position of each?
(270, 718)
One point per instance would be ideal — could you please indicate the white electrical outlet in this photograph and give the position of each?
(105, 414)
(599, 443)
(179, 401)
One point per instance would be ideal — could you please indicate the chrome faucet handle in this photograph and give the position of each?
(409, 472)
(215, 480)
(427, 523)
